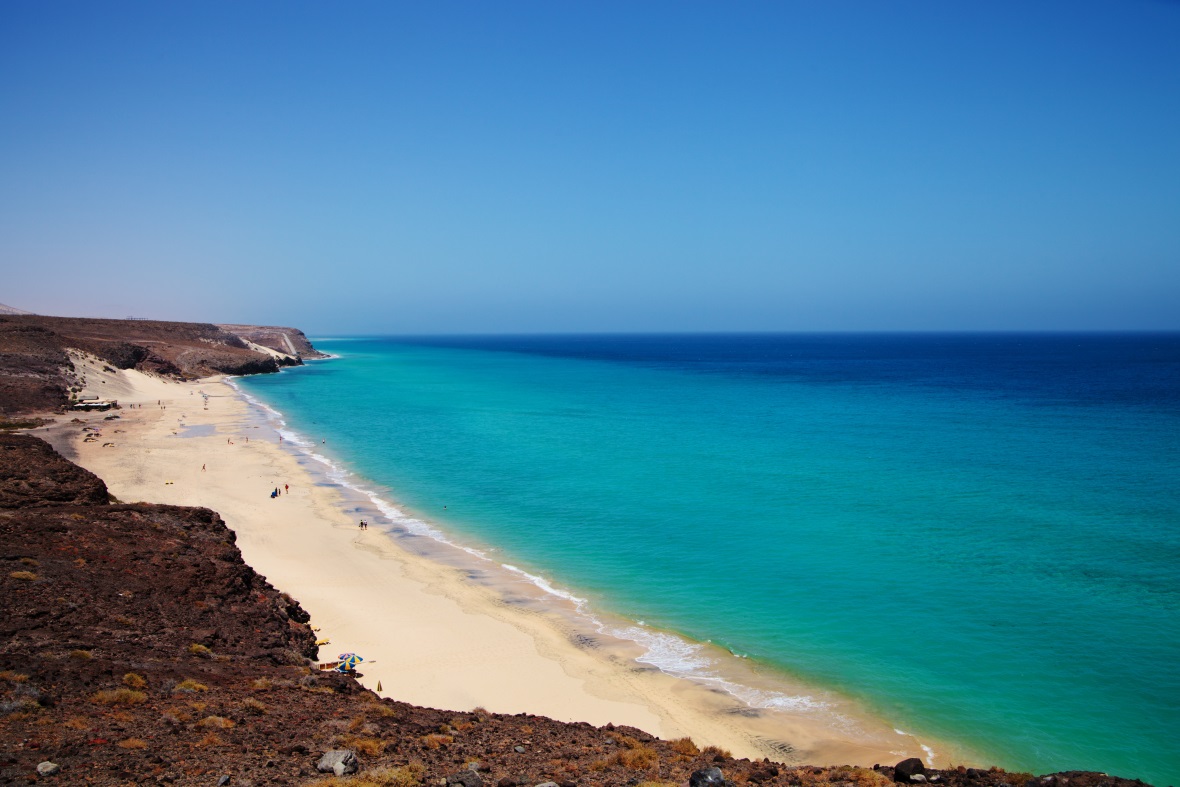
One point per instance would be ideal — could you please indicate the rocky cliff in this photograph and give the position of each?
(35, 372)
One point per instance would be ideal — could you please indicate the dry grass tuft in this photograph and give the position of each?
(118, 697)
(177, 716)
(77, 723)
(433, 741)
(134, 681)
(217, 722)
(81, 655)
(27, 576)
(132, 743)
(251, 705)
(188, 684)
(197, 649)
(684, 746)
(715, 751)
(212, 739)
(13, 677)
(382, 711)
(641, 758)
(262, 684)
(865, 777)
(404, 776)
(362, 745)
(28, 561)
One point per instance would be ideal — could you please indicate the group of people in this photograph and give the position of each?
(286, 488)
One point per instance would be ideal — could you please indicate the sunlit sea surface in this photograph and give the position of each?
(976, 536)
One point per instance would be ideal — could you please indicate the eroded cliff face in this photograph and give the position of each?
(35, 371)
(137, 647)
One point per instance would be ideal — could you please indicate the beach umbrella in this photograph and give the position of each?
(348, 661)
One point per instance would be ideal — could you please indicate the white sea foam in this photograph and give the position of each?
(669, 653)
(929, 754)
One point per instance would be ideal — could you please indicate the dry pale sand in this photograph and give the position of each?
(429, 635)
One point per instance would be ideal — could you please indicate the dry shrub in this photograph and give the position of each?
(28, 561)
(684, 746)
(865, 777)
(118, 697)
(362, 745)
(251, 705)
(262, 684)
(715, 751)
(404, 776)
(27, 576)
(134, 681)
(199, 707)
(76, 723)
(177, 716)
(433, 741)
(80, 562)
(383, 711)
(659, 784)
(13, 677)
(212, 739)
(460, 725)
(197, 649)
(640, 758)
(81, 655)
(132, 743)
(188, 684)
(356, 723)
(218, 722)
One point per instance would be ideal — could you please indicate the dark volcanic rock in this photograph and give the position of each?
(904, 771)
(33, 475)
(35, 371)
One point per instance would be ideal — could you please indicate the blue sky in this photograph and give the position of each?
(427, 167)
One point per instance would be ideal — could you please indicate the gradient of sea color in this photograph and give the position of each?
(976, 536)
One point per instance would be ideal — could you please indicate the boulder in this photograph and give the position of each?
(466, 778)
(906, 769)
(339, 762)
(47, 768)
(707, 777)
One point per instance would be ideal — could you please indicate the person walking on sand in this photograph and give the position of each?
(286, 488)
(202, 468)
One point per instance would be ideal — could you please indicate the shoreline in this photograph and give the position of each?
(481, 638)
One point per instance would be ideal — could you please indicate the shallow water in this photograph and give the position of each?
(977, 536)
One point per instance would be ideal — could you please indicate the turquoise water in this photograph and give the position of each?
(977, 537)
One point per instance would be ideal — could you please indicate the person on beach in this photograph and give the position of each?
(286, 488)
(202, 468)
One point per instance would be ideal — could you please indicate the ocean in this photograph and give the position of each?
(976, 537)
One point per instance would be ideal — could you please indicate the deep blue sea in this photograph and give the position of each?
(975, 536)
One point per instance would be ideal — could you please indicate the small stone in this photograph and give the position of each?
(224, 780)
(48, 768)
(519, 750)
(465, 779)
(547, 784)
(918, 778)
(707, 777)
(339, 762)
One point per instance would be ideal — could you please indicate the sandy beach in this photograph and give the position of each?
(430, 635)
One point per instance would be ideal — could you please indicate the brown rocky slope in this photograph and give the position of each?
(138, 648)
(35, 371)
